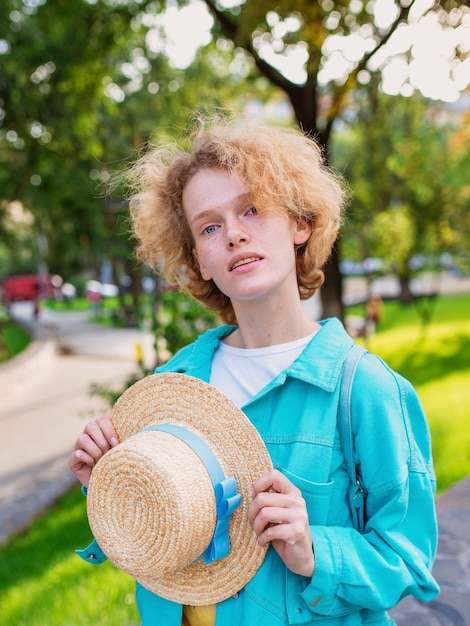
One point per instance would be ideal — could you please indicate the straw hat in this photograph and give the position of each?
(152, 504)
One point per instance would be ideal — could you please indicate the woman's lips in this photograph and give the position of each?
(244, 261)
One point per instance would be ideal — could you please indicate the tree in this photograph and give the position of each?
(410, 193)
(337, 46)
(81, 90)
(81, 86)
(53, 109)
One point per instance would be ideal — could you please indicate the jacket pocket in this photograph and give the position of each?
(317, 496)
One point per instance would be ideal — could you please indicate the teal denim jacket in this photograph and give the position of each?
(357, 578)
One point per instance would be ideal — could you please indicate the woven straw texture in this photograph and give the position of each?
(151, 504)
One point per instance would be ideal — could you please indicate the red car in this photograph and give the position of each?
(27, 287)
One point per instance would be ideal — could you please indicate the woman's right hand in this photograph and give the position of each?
(97, 438)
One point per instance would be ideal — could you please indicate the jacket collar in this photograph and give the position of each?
(322, 360)
(320, 363)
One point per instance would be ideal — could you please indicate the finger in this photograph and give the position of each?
(89, 446)
(289, 533)
(107, 427)
(100, 433)
(274, 516)
(280, 499)
(79, 458)
(284, 525)
(273, 480)
(266, 500)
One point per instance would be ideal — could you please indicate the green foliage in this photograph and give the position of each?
(392, 237)
(180, 320)
(49, 137)
(318, 35)
(82, 88)
(81, 91)
(409, 185)
(18, 244)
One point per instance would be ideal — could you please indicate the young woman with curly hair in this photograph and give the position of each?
(244, 219)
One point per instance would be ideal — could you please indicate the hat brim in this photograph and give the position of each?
(179, 399)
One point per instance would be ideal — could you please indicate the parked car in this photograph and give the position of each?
(28, 287)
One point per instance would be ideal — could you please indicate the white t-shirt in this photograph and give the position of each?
(241, 372)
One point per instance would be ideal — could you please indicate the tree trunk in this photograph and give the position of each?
(304, 103)
(332, 290)
(406, 295)
(134, 317)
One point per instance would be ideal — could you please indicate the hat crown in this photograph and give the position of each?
(169, 513)
(153, 504)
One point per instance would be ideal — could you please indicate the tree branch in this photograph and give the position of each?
(232, 30)
(228, 26)
(341, 92)
(402, 16)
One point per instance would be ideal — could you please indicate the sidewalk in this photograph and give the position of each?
(451, 569)
(46, 402)
(41, 418)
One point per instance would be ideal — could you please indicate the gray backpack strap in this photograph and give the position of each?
(356, 493)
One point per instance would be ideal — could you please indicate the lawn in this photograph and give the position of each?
(13, 340)
(44, 582)
(436, 359)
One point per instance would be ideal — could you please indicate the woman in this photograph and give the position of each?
(244, 220)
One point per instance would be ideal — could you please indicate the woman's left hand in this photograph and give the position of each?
(278, 515)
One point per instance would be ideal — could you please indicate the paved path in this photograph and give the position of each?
(41, 419)
(451, 569)
(43, 412)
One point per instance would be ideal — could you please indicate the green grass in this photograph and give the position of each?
(436, 359)
(13, 339)
(80, 304)
(109, 312)
(44, 582)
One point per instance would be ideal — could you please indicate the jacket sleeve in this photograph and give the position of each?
(394, 556)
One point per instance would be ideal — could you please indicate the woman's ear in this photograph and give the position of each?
(302, 232)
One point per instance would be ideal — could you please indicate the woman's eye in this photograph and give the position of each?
(252, 210)
(209, 229)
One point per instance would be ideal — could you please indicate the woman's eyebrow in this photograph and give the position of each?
(238, 199)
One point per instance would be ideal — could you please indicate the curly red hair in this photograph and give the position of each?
(283, 169)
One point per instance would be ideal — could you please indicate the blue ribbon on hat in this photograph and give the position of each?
(225, 490)
(226, 497)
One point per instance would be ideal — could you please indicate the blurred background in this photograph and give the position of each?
(86, 86)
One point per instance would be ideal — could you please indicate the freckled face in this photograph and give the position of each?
(247, 254)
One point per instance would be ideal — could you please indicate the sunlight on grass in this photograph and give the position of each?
(45, 582)
(447, 409)
(437, 361)
(69, 593)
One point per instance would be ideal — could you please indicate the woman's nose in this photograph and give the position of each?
(236, 234)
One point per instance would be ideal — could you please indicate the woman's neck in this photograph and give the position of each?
(258, 326)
